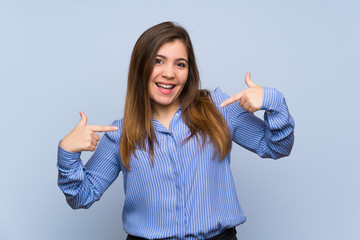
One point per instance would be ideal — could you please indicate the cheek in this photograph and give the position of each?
(151, 88)
(153, 75)
(184, 77)
(151, 85)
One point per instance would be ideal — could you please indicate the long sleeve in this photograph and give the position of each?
(84, 184)
(272, 137)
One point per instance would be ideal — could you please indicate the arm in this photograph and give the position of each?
(83, 185)
(271, 138)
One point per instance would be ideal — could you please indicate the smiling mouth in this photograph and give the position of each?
(166, 86)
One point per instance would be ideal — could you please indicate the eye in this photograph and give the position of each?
(158, 61)
(182, 65)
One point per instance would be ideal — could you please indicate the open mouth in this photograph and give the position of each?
(165, 86)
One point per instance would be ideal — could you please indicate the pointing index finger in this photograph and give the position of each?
(98, 128)
(232, 99)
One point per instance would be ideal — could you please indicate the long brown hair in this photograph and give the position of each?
(198, 110)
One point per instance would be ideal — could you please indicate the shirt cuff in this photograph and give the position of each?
(272, 100)
(66, 159)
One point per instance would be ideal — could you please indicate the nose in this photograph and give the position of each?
(168, 72)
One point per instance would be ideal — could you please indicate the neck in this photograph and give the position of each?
(162, 111)
(164, 114)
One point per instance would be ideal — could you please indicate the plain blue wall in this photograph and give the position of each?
(60, 57)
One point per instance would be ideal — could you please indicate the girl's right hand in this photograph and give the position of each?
(84, 137)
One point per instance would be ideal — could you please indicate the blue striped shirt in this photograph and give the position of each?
(186, 194)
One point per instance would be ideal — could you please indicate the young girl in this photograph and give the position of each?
(173, 144)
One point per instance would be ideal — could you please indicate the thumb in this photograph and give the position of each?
(249, 82)
(83, 119)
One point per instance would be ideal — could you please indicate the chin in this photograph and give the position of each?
(167, 102)
(164, 103)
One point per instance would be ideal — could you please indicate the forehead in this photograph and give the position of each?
(174, 49)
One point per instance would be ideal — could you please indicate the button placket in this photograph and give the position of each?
(172, 153)
(179, 180)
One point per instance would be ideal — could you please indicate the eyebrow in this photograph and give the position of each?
(178, 59)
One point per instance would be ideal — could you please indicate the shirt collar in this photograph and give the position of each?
(160, 128)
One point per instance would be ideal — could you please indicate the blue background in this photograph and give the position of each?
(60, 57)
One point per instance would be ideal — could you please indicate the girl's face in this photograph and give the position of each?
(168, 76)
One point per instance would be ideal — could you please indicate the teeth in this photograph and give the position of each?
(165, 86)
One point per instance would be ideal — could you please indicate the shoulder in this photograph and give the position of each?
(115, 135)
(218, 96)
(117, 123)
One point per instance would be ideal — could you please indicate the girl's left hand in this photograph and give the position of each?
(249, 99)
